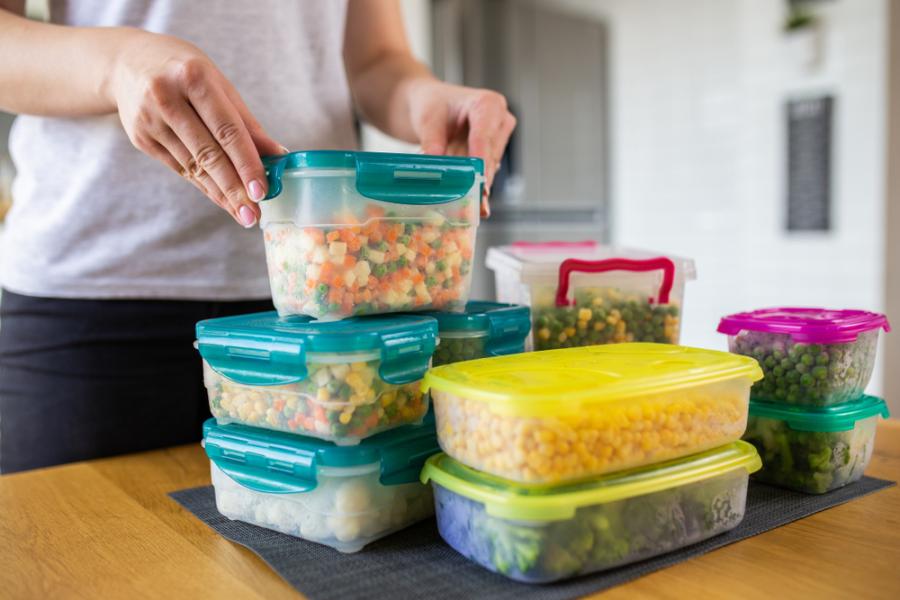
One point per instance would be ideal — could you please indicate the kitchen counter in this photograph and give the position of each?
(107, 529)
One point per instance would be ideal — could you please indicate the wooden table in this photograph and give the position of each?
(107, 529)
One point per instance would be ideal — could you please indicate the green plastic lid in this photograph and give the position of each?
(505, 325)
(509, 500)
(265, 349)
(285, 463)
(387, 176)
(838, 417)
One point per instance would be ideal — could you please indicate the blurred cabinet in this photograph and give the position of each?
(552, 67)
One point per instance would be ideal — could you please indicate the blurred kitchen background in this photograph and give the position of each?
(754, 136)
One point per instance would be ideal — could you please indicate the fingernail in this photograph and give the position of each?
(285, 150)
(247, 217)
(255, 190)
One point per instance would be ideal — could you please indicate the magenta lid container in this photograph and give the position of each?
(806, 325)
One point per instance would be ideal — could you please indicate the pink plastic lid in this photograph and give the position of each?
(806, 325)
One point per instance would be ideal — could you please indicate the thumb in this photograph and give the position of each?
(433, 133)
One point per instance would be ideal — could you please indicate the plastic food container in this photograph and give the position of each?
(561, 415)
(814, 450)
(484, 329)
(357, 233)
(583, 293)
(545, 534)
(339, 381)
(343, 497)
(810, 356)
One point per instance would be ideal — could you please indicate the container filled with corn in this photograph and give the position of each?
(572, 414)
(341, 381)
(584, 293)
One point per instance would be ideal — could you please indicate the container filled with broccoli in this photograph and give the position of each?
(543, 534)
(343, 497)
(810, 356)
(814, 450)
(484, 329)
(341, 381)
(583, 293)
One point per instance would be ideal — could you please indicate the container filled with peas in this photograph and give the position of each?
(584, 293)
(484, 329)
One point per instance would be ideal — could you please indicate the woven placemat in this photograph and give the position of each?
(416, 563)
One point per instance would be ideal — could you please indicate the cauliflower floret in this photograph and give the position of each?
(376, 256)
(362, 270)
(337, 249)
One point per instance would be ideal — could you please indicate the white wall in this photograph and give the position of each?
(698, 91)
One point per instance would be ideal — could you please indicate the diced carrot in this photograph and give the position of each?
(347, 304)
(367, 296)
(373, 281)
(375, 236)
(338, 281)
(334, 295)
(466, 251)
(319, 413)
(374, 210)
(421, 261)
(355, 287)
(456, 274)
(349, 261)
(316, 234)
(326, 272)
(418, 301)
(333, 236)
(391, 235)
(418, 278)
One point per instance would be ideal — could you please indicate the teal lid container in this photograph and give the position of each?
(505, 326)
(837, 417)
(265, 349)
(281, 463)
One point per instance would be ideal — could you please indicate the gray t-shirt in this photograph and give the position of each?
(95, 218)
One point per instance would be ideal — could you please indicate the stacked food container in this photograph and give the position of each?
(584, 293)
(569, 461)
(809, 418)
(320, 424)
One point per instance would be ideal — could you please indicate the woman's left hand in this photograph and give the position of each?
(461, 121)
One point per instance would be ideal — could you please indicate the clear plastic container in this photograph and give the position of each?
(814, 450)
(484, 329)
(343, 497)
(340, 381)
(546, 534)
(810, 356)
(561, 415)
(583, 293)
(357, 233)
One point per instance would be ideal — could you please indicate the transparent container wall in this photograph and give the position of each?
(599, 537)
(808, 374)
(340, 402)
(333, 253)
(348, 509)
(610, 307)
(586, 440)
(456, 347)
(811, 461)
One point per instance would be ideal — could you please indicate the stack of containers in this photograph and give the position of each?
(583, 293)
(809, 418)
(321, 427)
(564, 462)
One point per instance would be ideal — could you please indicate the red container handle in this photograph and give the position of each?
(556, 245)
(572, 265)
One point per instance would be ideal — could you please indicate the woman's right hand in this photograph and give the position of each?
(177, 107)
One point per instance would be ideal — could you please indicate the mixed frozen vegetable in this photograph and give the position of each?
(342, 402)
(344, 512)
(455, 349)
(604, 316)
(808, 374)
(598, 537)
(810, 461)
(592, 439)
(379, 262)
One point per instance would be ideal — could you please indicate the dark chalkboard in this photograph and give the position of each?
(809, 135)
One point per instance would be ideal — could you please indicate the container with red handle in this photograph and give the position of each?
(584, 293)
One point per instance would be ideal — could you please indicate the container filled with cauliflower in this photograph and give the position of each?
(810, 356)
(358, 233)
(551, 533)
(814, 450)
(341, 381)
(584, 293)
(483, 329)
(341, 496)
(576, 413)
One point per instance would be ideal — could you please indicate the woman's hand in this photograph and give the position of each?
(177, 107)
(461, 121)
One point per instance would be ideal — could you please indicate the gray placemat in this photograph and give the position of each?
(416, 563)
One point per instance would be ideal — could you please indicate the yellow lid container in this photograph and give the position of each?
(562, 415)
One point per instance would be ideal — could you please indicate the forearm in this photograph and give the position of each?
(56, 70)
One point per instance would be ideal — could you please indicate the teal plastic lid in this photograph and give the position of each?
(505, 325)
(839, 417)
(387, 176)
(265, 349)
(285, 463)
